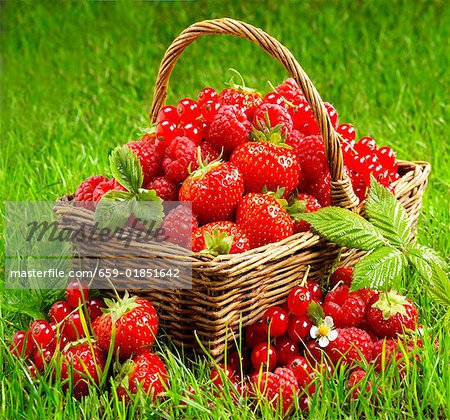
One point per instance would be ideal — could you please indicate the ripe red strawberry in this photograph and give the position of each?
(83, 364)
(214, 190)
(269, 116)
(218, 238)
(300, 204)
(244, 99)
(263, 219)
(347, 309)
(384, 351)
(351, 345)
(146, 372)
(179, 224)
(320, 189)
(135, 322)
(267, 165)
(389, 314)
(342, 275)
(164, 187)
(228, 129)
(149, 158)
(279, 388)
(86, 189)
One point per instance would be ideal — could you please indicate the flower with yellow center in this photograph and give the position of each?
(324, 332)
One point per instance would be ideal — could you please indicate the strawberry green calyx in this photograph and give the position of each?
(296, 209)
(390, 304)
(218, 243)
(266, 133)
(278, 195)
(242, 87)
(204, 166)
(124, 370)
(121, 307)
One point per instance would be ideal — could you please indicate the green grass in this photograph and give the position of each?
(77, 78)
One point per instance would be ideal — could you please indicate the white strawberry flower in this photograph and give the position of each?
(324, 332)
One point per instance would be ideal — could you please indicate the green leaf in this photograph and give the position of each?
(427, 254)
(114, 209)
(148, 209)
(439, 286)
(388, 215)
(345, 228)
(126, 168)
(381, 269)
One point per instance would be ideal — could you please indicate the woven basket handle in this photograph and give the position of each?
(341, 189)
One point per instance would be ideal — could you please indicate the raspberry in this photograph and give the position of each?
(351, 345)
(346, 309)
(178, 226)
(354, 381)
(295, 139)
(366, 295)
(245, 101)
(164, 187)
(104, 187)
(148, 157)
(180, 153)
(279, 388)
(342, 275)
(384, 351)
(290, 91)
(310, 151)
(269, 116)
(275, 321)
(286, 349)
(229, 129)
(86, 189)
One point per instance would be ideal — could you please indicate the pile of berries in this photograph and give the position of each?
(250, 165)
(74, 342)
(289, 350)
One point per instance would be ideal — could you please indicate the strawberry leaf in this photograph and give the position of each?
(388, 215)
(345, 228)
(381, 269)
(126, 168)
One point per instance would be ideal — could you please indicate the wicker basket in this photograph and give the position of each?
(232, 289)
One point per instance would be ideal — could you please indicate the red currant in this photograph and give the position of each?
(304, 373)
(273, 98)
(332, 114)
(41, 333)
(167, 113)
(209, 110)
(77, 293)
(32, 370)
(264, 354)
(299, 327)
(366, 145)
(192, 131)
(94, 307)
(205, 95)
(73, 327)
(347, 131)
(302, 116)
(299, 299)
(166, 131)
(386, 157)
(41, 358)
(59, 311)
(188, 110)
(218, 373)
(255, 334)
(314, 290)
(275, 321)
(21, 344)
(286, 349)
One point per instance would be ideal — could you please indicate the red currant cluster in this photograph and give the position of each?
(288, 352)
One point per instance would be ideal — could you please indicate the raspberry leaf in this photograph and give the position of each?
(345, 228)
(382, 269)
(149, 209)
(126, 168)
(388, 215)
(114, 209)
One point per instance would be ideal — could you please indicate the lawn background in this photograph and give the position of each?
(77, 77)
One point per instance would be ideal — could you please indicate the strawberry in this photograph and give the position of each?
(389, 314)
(320, 189)
(244, 99)
(300, 204)
(220, 238)
(263, 219)
(83, 363)
(310, 152)
(146, 372)
(132, 320)
(214, 189)
(229, 129)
